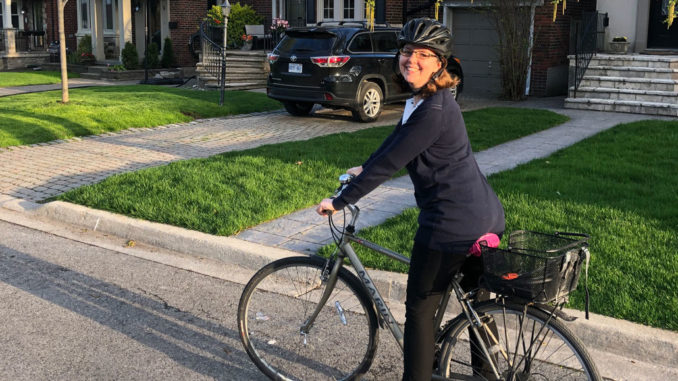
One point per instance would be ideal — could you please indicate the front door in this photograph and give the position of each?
(658, 36)
(296, 12)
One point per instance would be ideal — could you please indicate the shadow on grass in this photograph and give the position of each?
(30, 127)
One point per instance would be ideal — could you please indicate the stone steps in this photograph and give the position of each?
(634, 107)
(670, 97)
(244, 70)
(628, 83)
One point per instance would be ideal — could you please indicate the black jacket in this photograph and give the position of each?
(456, 202)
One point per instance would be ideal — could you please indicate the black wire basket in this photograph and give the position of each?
(537, 267)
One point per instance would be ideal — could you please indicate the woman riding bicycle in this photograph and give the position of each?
(457, 205)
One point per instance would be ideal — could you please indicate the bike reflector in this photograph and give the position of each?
(330, 61)
(509, 276)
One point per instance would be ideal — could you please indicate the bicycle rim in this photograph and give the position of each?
(279, 299)
(525, 347)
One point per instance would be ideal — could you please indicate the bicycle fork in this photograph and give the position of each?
(330, 281)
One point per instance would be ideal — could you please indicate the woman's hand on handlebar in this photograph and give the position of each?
(355, 171)
(325, 207)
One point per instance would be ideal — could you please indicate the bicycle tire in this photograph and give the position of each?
(277, 301)
(557, 354)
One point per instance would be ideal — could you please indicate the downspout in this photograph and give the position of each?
(529, 65)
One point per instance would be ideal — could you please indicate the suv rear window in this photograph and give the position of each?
(312, 43)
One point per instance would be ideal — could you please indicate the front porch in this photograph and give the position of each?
(19, 49)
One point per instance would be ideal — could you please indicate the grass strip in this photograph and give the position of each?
(28, 78)
(227, 193)
(620, 187)
(41, 117)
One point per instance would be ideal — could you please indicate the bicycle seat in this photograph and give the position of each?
(487, 240)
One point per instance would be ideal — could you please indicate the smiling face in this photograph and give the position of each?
(418, 64)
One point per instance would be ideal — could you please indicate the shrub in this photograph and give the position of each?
(130, 57)
(84, 51)
(241, 15)
(168, 60)
(214, 16)
(151, 58)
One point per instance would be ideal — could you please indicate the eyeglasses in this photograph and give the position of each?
(418, 53)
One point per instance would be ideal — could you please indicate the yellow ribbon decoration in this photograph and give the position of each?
(369, 13)
(672, 13)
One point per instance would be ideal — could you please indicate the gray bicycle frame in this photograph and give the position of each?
(345, 250)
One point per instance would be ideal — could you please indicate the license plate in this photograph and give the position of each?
(295, 68)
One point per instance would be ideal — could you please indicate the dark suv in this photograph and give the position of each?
(338, 66)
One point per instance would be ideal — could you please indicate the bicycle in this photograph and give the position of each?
(310, 318)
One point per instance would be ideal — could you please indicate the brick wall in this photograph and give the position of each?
(262, 7)
(187, 14)
(70, 23)
(552, 40)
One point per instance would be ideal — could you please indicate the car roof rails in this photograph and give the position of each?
(362, 23)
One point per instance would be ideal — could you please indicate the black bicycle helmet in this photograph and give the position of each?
(428, 33)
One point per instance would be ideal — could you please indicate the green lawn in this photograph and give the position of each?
(227, 193)
(41, 117)
(26, 78)
(620, 187)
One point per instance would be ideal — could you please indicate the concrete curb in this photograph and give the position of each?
(621, 338)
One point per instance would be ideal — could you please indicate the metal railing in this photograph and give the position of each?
(24, 40)
(586, 45)
(214, 54)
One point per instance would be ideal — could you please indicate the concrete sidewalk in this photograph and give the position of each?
(72, 84)
(623, 351)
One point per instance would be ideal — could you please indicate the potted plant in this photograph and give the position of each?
(619, 45)
(278, 28)
(247, 41)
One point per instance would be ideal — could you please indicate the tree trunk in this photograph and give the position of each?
(62, 51)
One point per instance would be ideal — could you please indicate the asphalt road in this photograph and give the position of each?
(79, 305)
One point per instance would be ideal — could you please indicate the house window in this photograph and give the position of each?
(2, 6)
(108, 15)
(328, 9)
(84, 14)
(349, 9)
(337, 10)
(15, 15)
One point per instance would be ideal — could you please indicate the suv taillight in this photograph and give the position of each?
(330, 61)
(272, 57)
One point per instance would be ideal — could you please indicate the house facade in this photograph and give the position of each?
(642, 23)
(475, 36)
(27, 27)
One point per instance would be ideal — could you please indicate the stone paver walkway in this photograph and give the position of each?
(304, 231)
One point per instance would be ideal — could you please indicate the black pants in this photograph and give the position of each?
(429, 275)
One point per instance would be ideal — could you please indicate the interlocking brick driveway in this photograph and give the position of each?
(40, 171)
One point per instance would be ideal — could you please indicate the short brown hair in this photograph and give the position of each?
(444, 81)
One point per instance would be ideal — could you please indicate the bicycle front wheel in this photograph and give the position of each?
(524, 345)
(279, 299)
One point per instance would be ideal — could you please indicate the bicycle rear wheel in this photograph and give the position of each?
(279, 299)
(526, 346)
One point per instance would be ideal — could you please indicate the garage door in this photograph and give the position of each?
(475, 43)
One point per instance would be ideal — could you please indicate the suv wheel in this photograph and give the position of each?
(298, 108)
(370, 103)
(454, 92)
